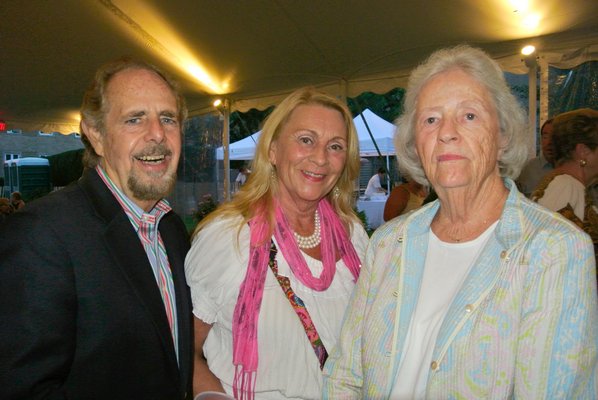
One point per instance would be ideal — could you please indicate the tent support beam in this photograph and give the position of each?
(533, 105)
(225, 144)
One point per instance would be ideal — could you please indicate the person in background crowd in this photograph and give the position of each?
(241, 178)
(271, 271)
(16, 201)
(566, 189)
(481, 294)
(5, 208)
(536, 168)
(375, 184)
(95, 303)
(404, 198)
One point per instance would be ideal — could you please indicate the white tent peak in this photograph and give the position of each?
(382, 131)
(243, 149)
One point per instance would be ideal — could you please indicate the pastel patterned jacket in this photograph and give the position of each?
(523, 326)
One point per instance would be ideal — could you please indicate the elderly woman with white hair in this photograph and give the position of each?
(481, 293)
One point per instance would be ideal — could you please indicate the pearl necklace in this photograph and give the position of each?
(309, 242)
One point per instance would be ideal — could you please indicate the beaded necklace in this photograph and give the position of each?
(309, 242)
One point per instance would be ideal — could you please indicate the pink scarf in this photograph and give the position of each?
(334, 238)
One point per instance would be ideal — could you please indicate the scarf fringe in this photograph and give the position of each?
(244, 384)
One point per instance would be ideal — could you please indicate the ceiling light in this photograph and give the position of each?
(520, 5)
(527, 50)
(531, 21)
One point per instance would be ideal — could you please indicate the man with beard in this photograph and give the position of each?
(94, 299)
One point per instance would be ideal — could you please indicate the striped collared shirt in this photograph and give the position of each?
(146, 226)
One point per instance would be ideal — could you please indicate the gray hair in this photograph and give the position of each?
(476, 63)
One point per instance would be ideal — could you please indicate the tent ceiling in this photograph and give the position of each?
(262, 48)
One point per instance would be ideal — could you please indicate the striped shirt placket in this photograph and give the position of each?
(146, 226)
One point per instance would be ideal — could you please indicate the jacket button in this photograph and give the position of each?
(395, 293)
(434, 366)
(468, 308)
(503, 254)
(400, 239)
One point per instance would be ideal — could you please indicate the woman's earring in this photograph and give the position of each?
(336, 192)
(582, 163)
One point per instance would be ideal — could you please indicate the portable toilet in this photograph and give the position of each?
(29, 175)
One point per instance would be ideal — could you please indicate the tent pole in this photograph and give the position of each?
(388, 169)
(343, 89)
(225, 145)
(543, 89)
(533, 104)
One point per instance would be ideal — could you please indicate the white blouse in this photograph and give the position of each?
(562, 190)
(288, 367)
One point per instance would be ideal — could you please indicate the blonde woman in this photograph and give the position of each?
(271, 272)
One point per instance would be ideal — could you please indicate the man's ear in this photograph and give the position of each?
(95, 138)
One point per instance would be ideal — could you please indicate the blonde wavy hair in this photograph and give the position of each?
(258, 193)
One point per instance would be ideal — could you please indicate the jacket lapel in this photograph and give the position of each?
(176, 241)
(130, 257)
(484, 274)
(479, 282)
(413, 238)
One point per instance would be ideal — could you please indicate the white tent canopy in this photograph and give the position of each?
(243, 149)
(256, 52)
(382, 130)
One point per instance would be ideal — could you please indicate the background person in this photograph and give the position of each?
(95, 304)
(535, 169)
(293, 219)
(482, 293)
(375, 184)
(566, 189)
(5, 208)
(16, 201)
(241, 178)
(404, 198)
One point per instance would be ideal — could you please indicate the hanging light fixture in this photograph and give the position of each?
(528, 50)
(529, 56)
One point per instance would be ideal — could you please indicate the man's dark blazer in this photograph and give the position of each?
(81, 315)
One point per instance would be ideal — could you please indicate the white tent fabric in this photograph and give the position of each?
(382, 130)
(256, 52)
(243, 149)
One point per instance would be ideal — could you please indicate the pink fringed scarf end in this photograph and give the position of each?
(244, 384)
(245, 318)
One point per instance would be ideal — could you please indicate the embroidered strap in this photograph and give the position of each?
(299, 307)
